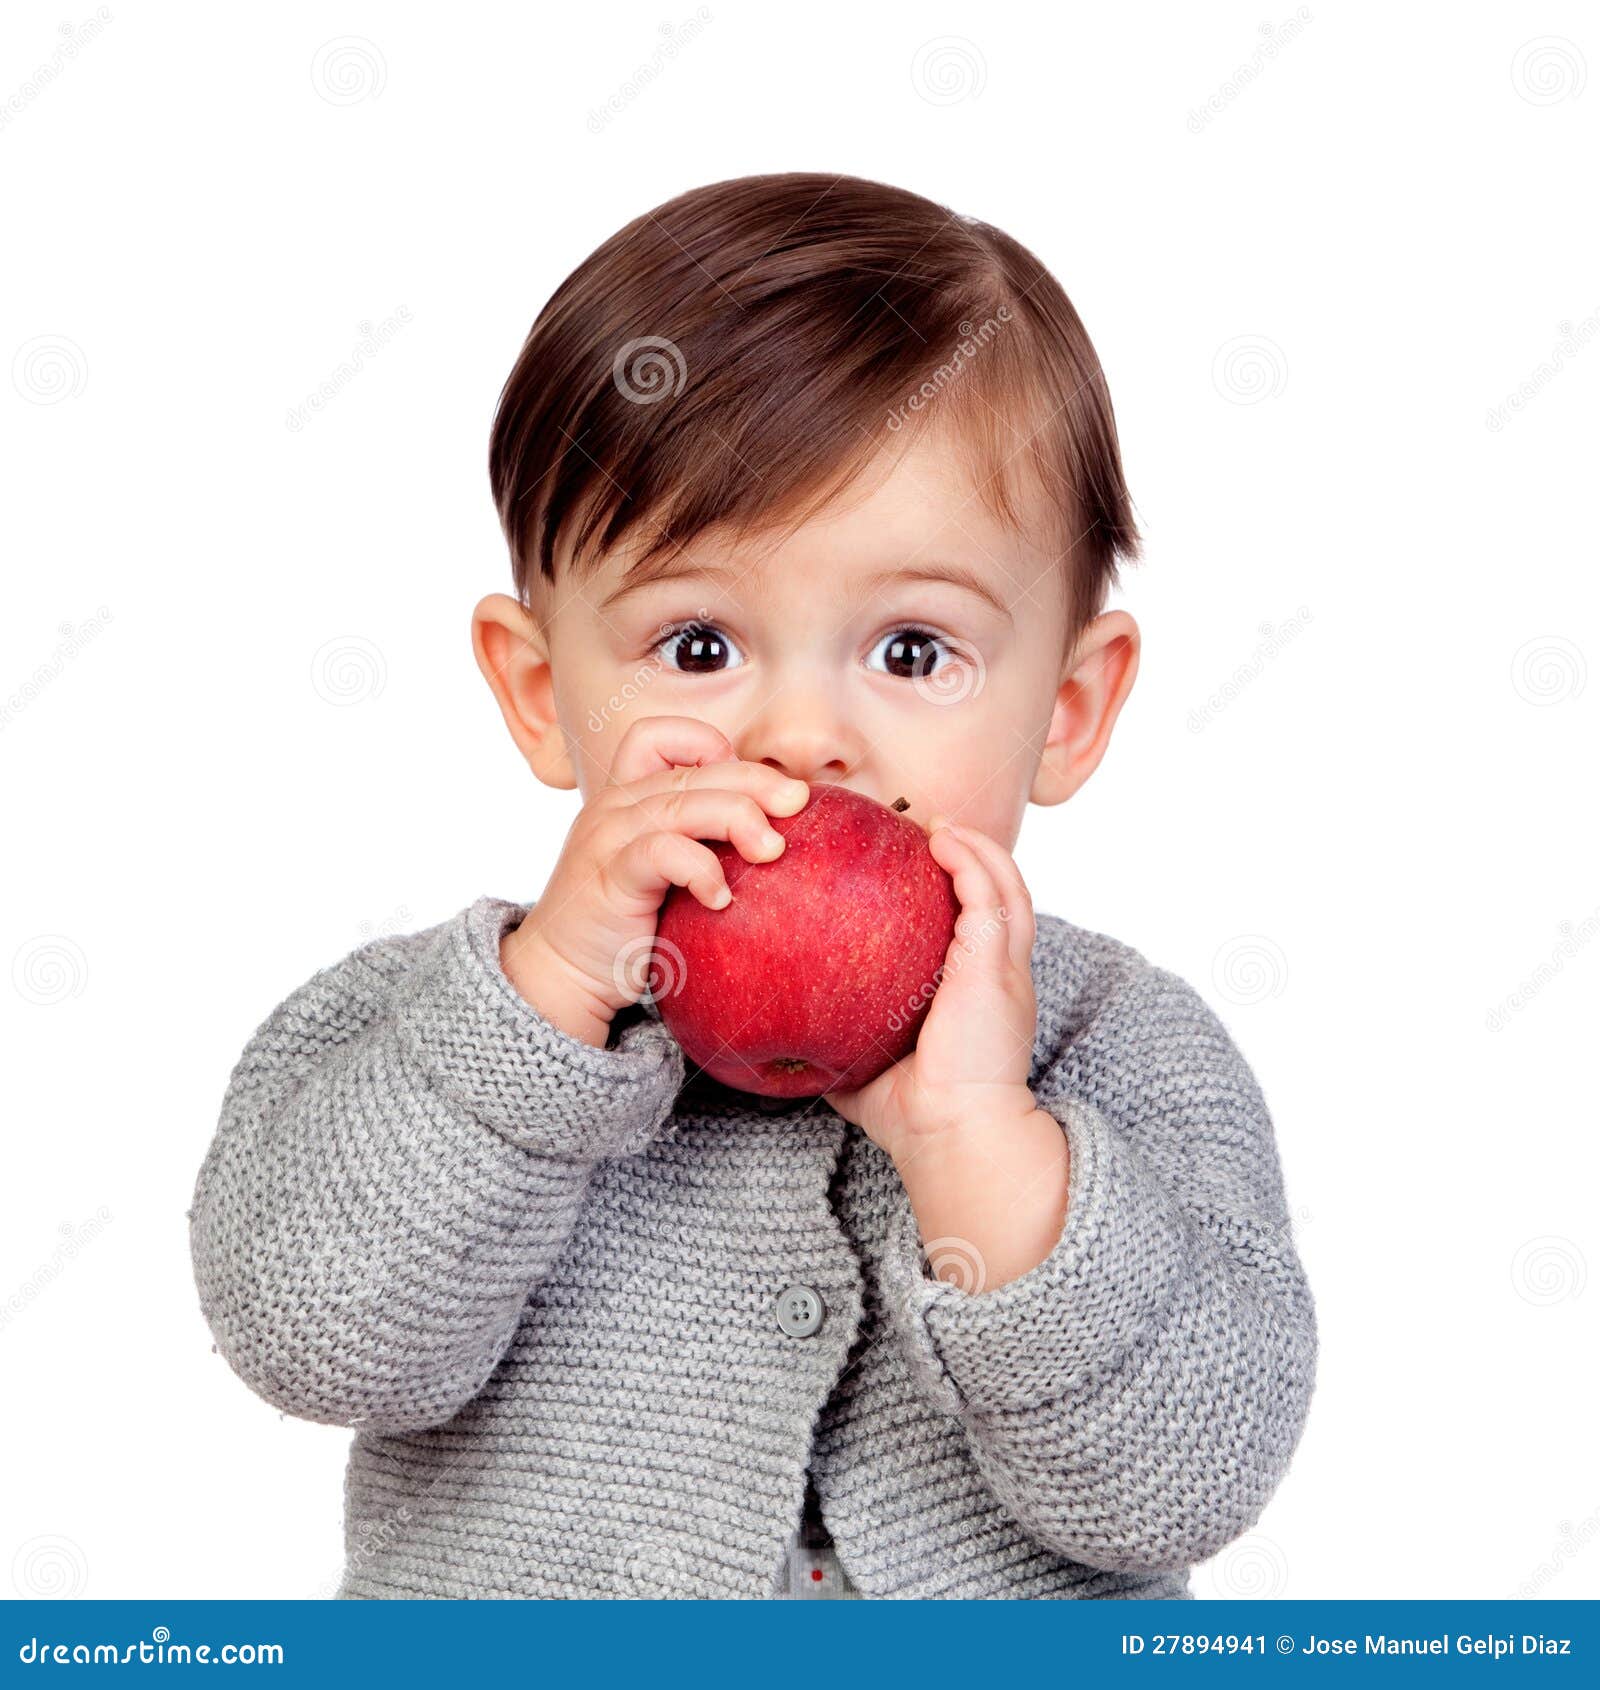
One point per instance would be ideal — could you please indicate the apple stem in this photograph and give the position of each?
(901, 804)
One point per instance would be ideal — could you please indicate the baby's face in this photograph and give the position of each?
(846, 652)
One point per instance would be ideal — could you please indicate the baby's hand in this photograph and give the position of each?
(975, 1049)
(580, 955)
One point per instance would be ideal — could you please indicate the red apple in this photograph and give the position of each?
(819, 974)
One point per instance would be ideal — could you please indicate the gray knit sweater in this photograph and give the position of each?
(543, 1283)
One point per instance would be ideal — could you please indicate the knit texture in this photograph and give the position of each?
(539, 1280)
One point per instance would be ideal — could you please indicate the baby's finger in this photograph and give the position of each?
(653, 743)
(704, 812)
(980, 929)
(648, 864)
(1017, 901)
(776, 792)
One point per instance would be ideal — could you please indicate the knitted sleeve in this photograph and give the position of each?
(1134, 1399)
(403, 1151)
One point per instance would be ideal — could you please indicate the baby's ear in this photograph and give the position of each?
(1091, 694)
(514, 658)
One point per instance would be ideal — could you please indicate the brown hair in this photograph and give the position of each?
(738, 355)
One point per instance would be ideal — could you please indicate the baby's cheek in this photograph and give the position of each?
(979, 785)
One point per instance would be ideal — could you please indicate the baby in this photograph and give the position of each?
(805, 481)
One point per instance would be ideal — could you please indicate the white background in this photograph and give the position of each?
(1351, 798)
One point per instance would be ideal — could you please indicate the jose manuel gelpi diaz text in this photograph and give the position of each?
(1461, 1644)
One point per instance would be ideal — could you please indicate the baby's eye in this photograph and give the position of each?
(697, 648)
(912, 653)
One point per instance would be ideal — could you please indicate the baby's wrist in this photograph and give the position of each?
(959, 1115)
(543, 980)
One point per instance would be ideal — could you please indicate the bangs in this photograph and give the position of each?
(733, 361)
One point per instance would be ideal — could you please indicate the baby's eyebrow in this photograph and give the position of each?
(955, 574)
(668, 569)
(678, 569)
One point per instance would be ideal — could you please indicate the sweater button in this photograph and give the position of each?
(799, 1310)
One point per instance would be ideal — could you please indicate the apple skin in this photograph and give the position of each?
(820, 973)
